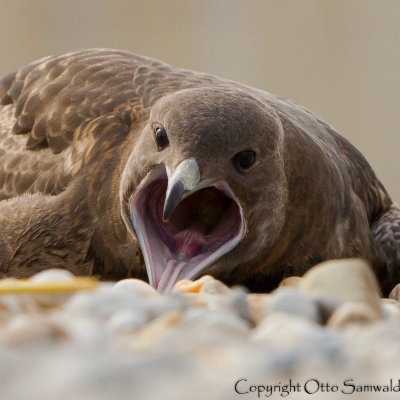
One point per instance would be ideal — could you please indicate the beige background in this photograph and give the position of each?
(341, 58)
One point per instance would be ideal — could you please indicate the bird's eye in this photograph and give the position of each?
(244, 159)
(161, 138)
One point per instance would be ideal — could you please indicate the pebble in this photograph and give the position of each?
(206, 300)
(136, 286)
(187, 286)
(214, 322)
(11, 304)
(125, 340)
(150, 337)
(23, 329)
(390, 308)
(291, 281)
(103, 302)
(78, 330)
(52, 275)
(240, 304)
(206, 284)
(284, 330)
(258, 304)
(351, 313)
(349, 280)
(289, 300)
(395, 293)
(213, 286)
(327, 304)
(126, 321)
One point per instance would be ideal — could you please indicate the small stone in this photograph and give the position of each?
(213, 321)
(284, 331)
(259, 304)
(213, 286)
(395, 293)
(352, 313)
(187, 286)
(126, 321)
(103, 302)
(206, 284)
(136, 286)
(289, 300)
(24, 328)
(390, 301)
(79, 329)
(240, 305)
(52, 275)
(208, 301)
(349, 280)
(150, 337)
(391, 308)
(17, 303)
(326, 304)
(291, 281)
(197, 300)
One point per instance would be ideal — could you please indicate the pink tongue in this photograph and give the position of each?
(188, 242)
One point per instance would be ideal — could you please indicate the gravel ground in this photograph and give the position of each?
(328, 335)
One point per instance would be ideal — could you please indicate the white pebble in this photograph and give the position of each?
(80, 330)
(17, 303)
(352, 313)
(291, 301)
(103, 302)
(25, 328)
(391, 309)
(126, 321)
(285, 331)
(213, 321)
(136, 286)
(53, 274)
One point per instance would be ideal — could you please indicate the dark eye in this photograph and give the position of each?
(244, 159)
(161, 138)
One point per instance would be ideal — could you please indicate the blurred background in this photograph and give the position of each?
(341, 59)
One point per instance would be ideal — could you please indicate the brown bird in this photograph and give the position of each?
(108, 159)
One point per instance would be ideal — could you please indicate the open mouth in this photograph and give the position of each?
(203, 227)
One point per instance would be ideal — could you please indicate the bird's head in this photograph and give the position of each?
(204, 188)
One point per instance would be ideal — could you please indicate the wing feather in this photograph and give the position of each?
(45, 104)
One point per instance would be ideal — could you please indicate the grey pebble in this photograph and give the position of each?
(126, 321)
(240, 304)
(104, 302)
(215, 321)
(326, 304)
(290, 301)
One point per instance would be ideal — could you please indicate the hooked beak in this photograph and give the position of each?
(181, 184)
(183, 224)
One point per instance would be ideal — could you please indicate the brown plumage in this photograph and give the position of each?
(91, 141)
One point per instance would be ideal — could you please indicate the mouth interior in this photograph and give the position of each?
(204, 226)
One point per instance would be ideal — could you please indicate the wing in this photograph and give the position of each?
(386, 231)
(53, 96)
(22, 170)
(45, 104)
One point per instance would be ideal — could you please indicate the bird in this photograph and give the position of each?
(118, 165)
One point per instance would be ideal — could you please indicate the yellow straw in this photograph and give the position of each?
(11, 286)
